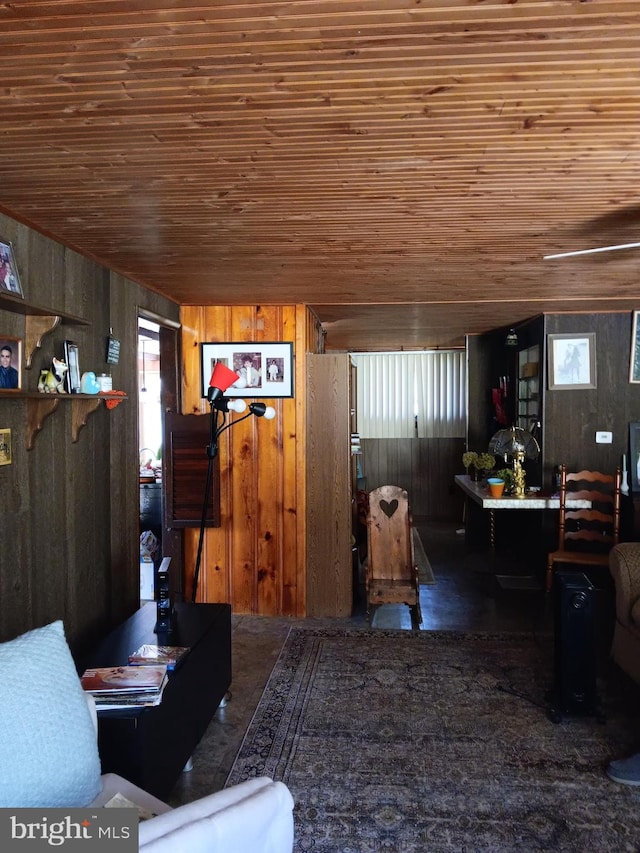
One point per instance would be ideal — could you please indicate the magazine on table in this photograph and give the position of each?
(120, 680)
(119, 701)
(149, 654)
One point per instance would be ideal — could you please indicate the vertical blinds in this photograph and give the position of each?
(407, 395)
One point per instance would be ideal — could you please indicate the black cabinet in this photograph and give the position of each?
(150, 746)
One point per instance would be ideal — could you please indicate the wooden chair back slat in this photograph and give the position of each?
(586, 535)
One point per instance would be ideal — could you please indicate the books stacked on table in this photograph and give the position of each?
(150, 655)
(115, 687)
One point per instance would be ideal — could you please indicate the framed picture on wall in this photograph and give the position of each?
(634, 456)
(265, 369)
(572, 361)
(9, 278)
(10, 363)
(5, 447)
(634, 361)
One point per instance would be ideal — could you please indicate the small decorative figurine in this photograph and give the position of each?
(89, 383)
(52, 381)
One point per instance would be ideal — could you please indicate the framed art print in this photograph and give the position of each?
(9, 278)
(5, 447)
(572, 361)
(634, 365)
(265, 369)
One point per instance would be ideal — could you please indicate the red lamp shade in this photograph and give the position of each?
(222, 377)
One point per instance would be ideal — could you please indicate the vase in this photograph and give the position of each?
(475, 474)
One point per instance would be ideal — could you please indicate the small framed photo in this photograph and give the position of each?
(634, 456)
(72, 376)
(634, 365)
(572, 361)
(10, 363)
(5, 447)
(9, 278)
(264, 369)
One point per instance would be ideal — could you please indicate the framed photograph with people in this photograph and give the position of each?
(9, 278)
(572, 361)
(10, 363)
(263, 369)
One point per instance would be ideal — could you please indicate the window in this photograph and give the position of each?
(406, 395)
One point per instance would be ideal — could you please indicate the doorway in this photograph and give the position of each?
(150, 454)
(158, 393)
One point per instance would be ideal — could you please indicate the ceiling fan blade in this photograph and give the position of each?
(591, 251)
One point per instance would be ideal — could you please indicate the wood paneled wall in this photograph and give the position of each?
(256, 559)
(572, 418)
(329, 529)
(425, 467)
(69, 542)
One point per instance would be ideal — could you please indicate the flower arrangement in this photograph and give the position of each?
(506, 474)
(477, 462)
(469, 459)
(481, 461)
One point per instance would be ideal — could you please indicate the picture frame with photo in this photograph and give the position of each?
(5, 447)
(10, 363)
(572, 361)
(9, 277)
(634, 361)
(72, 376)
(265, 369)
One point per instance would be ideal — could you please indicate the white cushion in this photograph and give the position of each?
(255, 816)
(48, 749)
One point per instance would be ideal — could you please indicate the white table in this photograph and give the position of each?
(479, 493)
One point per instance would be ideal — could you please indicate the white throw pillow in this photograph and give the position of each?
(48, 748)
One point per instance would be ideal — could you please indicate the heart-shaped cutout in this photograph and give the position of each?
(389, 508)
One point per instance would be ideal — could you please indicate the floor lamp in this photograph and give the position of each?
(222, 378)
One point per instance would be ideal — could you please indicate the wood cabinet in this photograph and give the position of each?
(150, 746)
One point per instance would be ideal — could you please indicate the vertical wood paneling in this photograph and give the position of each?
(270, 508)
(329, 572)
(255, 560)
(425, 467)
(69, 548)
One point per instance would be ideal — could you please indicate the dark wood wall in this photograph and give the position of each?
(69, 545)
(425, 467)
(570, 418)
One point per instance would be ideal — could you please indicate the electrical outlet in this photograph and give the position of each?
(604, 437)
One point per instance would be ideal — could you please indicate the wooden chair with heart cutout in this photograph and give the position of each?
(391, 575)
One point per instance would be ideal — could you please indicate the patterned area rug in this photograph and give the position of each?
(436, 741)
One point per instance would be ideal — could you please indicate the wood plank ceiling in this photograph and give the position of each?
(402, 166)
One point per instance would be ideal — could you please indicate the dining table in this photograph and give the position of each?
(534, 499)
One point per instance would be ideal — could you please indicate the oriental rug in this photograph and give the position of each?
(421, 742)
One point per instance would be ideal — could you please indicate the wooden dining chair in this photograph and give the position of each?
(585, 536)
(391, 575)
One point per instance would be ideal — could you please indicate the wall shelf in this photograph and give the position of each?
(40, 406)
(39, 321)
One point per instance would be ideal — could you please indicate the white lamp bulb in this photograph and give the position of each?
(236, 405)
(270, 413)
